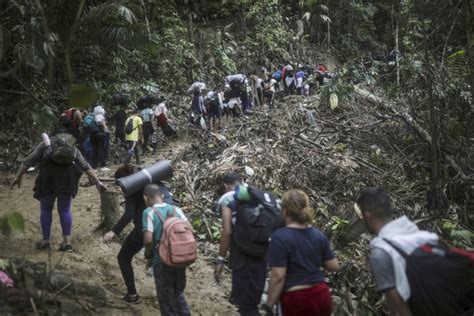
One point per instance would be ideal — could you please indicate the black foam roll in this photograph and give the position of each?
(133, 183)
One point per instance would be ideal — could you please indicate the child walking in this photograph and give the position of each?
(170, 281)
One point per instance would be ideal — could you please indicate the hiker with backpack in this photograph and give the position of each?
(98, 139)
(198, 109)
(133, 134)
(162, 119)
(214, 111)
(289, 79)
(169, 248)
(237, 87)
(300, 81)
(133, 243)
(147, 117)
(417, 276)
(61, 166)
(246, 236)
(120, 117)
(296, 255)
(269, 92)
(74, 116)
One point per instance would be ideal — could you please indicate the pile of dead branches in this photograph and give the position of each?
(330, 154)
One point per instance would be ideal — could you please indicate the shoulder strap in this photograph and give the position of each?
(398, 249)
(157, 212)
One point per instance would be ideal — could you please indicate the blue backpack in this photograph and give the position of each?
(89, 123)
(277, 75)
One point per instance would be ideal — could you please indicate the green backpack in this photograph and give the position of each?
(63, 149)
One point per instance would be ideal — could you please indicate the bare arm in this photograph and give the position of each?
(21, 171)
(100, 186)
(226, 231)
(396, 303)
(277, 280)
(332, 265)
(226, 238)
(140, 133)
(148, 243)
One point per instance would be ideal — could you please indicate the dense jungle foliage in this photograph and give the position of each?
(50, 50)
(415, 58)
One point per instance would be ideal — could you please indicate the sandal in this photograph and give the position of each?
(43, 245)
(65, 248)
(133, 299)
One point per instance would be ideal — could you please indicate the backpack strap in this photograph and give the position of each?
(157, 212)
(398, 249)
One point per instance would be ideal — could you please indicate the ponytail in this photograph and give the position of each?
(296, 204)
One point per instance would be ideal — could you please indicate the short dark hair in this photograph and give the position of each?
(375, 200)
(152, 190)
(231, 178)
(124, 171)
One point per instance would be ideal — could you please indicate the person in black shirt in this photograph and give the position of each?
(134, 207)
(120, 117)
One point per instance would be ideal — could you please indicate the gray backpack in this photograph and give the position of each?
(63, 149)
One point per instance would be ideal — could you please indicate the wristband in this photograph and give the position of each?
(220, 260)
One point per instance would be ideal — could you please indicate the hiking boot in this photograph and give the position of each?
(65, 248)
(43, 245)
(132, 299)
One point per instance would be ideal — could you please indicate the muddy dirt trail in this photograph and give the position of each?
(96, 262)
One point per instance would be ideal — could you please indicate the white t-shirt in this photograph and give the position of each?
(160, 109)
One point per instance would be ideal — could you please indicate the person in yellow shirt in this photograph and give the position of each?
(133, 134)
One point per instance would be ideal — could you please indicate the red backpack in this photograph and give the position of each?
(69, 114)
(177, 247)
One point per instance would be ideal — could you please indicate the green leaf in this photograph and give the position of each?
(460, 52)
(11, 223)
(16, 222)
(4, 264)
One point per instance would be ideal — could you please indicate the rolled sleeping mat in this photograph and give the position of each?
(162, 170)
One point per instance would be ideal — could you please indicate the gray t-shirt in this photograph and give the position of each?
(382, 269)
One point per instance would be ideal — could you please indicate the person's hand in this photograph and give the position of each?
(218, 267)
(16, 181)
(267, 309)
(109, 236)
(100, 186)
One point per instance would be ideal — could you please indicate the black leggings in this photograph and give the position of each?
(130, 247)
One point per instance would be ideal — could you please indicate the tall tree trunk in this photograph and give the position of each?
(147, 22)
(67, 51)
(397, 51)
(469, 17)
(329, 36)
(49, 41)
(437, 200)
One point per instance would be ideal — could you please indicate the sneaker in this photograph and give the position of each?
(65, 248)
(133, 299)
(43, 245)
(104, 169)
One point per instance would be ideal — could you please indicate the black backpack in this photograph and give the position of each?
(441, 280)
(129, 127)
(63, 149)
(236, 82)
(255, 222)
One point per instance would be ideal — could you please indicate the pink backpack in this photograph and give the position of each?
(178, 247)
